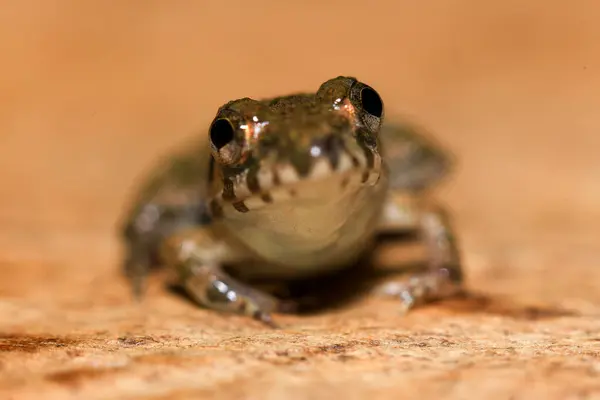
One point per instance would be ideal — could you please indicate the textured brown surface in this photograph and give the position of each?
(92, 93)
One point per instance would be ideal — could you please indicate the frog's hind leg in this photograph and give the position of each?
(442, 276)
(197, 257)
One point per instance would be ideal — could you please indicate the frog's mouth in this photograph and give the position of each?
(284, 182)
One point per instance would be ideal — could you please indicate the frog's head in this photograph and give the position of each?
(276, 149)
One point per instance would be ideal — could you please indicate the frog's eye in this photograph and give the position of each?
(225, 147)
(221, 133)
(369, 106)
(371, 102)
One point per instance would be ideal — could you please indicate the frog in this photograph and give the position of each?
(292, 187)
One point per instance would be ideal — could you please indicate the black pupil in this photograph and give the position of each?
(371, 102)
(221, 133)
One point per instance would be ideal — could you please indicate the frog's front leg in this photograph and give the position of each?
(144, 233)
(198, 256)
(443, 276)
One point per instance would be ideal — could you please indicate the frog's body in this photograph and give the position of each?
(291, 187)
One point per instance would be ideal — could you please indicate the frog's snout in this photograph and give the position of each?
(329, 146)
(339, 150)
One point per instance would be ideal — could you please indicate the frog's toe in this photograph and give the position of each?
(136, 268)
(266, 318)
(420, 288)
(214, 289)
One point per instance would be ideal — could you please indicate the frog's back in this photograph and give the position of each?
(415, 160)
(176, 185)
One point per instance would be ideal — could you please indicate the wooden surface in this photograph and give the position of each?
(92, 93)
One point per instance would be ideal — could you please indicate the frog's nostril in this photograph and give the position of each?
(315, 151)
(329, 146)
(326, 146)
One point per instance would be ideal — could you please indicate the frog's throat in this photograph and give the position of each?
(283, 182)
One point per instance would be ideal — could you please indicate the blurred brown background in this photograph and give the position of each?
(92, 92)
